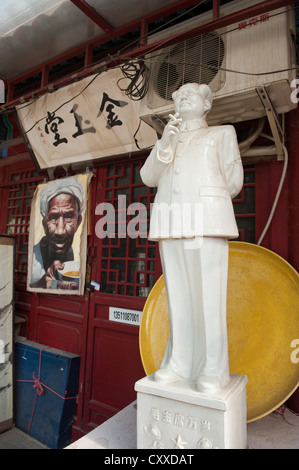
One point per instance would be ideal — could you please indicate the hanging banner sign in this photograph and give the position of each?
(86, 120)
(58, 236)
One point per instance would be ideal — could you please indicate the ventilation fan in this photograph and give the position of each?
(194, 60)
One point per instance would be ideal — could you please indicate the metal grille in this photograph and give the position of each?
(128, 264)
(21, 189)
(194, 60)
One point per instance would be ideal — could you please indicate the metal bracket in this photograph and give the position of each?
(274, 123)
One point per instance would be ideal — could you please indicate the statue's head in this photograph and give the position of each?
(193, 101)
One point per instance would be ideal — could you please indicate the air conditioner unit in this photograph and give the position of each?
(233, 61)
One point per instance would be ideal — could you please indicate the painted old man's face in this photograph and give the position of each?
(61, 223)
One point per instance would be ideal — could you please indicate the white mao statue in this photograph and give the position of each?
(198, 169)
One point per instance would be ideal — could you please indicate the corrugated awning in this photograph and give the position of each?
(35, 31)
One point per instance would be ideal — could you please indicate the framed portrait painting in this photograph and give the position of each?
(58, 236)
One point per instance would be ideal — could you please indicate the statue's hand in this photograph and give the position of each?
(170, 130)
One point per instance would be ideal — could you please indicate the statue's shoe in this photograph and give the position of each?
(210, 383)
(166, 375)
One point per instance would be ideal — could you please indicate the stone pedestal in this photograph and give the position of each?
(177, 416)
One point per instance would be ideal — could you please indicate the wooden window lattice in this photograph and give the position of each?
(21, 188)
(128, 264)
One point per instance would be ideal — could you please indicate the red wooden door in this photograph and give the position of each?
(54, 320)
(126, 268)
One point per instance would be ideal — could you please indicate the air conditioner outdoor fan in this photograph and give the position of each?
(194, 60)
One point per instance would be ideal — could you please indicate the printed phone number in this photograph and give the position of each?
(124, 316)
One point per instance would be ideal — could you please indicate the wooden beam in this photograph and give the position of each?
(93, 15)
(216, 9)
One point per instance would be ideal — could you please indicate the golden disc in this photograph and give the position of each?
(262, 324)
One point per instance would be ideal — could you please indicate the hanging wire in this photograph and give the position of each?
(138, 73)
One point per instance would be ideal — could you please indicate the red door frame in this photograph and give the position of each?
(267, 180)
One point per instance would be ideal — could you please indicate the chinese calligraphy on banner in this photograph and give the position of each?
(88, 119)
(57, 236)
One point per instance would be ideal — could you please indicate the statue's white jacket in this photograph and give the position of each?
(200, 173)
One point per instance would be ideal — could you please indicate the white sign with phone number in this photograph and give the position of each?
(122, 315)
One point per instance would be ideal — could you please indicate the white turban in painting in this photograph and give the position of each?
(69, 185)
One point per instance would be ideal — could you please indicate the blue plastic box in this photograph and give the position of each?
(46, 384)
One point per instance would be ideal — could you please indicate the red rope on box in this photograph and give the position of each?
(39, 387)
